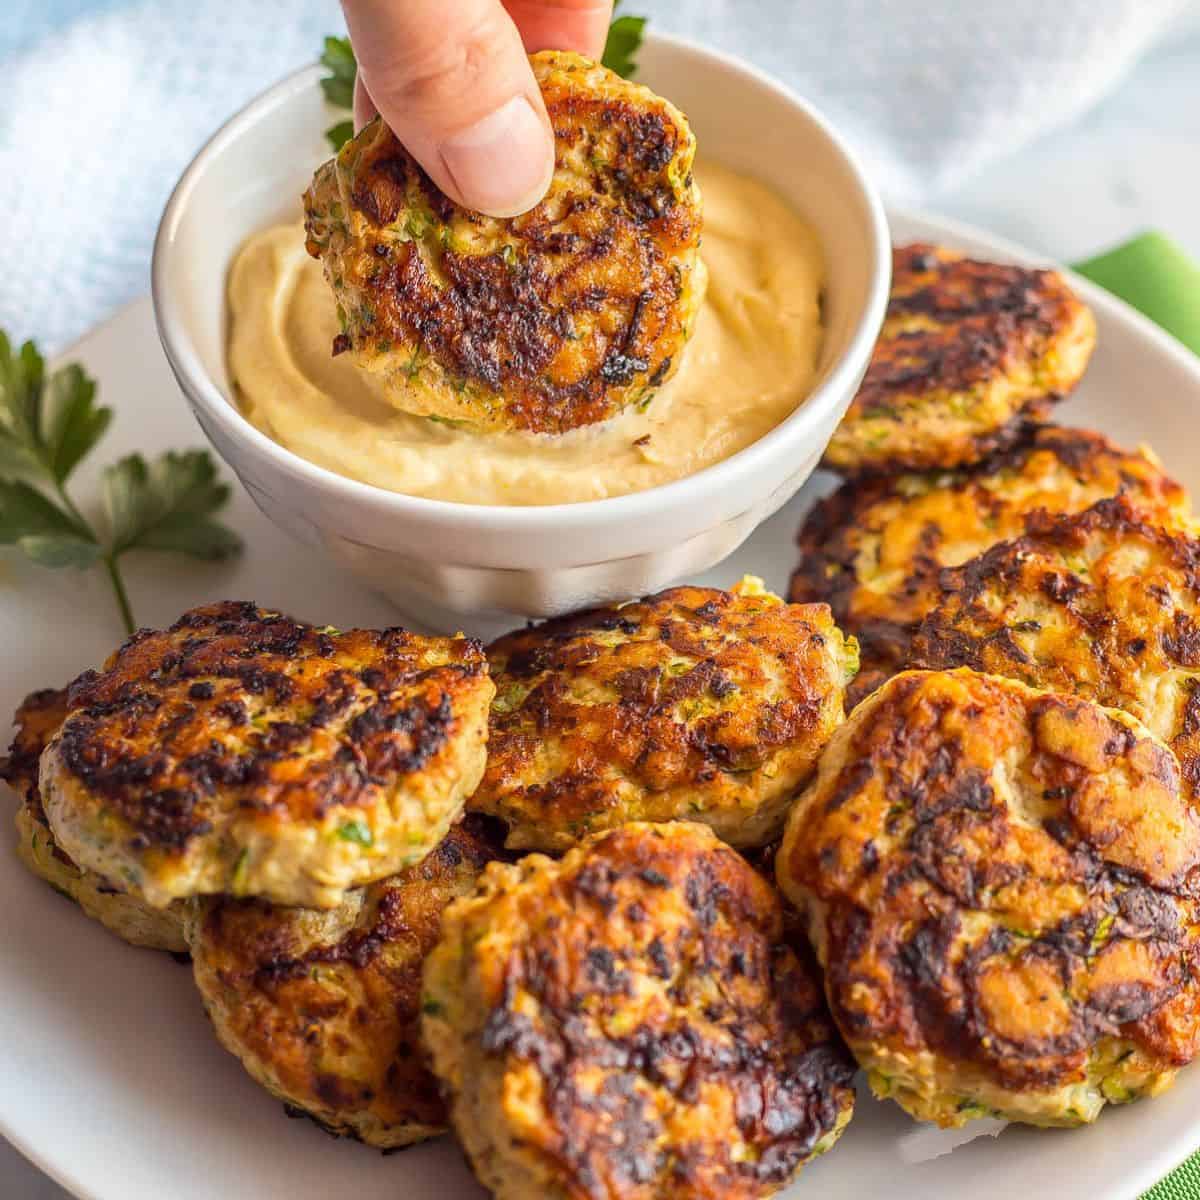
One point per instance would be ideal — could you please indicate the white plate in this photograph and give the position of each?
(112, 1081)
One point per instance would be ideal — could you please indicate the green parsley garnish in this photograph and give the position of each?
(356, 831)
(48, 424)
(338, 86)
(340, 133)
(624, 40)
(625, 36)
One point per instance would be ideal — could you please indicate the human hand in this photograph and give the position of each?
(452, 81)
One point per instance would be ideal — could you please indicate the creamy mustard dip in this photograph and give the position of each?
(749, 363)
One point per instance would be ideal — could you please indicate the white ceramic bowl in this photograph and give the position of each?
(438, 560)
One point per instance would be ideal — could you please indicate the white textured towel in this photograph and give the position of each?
(106, 100)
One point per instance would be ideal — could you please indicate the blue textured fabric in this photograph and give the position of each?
(27, 21)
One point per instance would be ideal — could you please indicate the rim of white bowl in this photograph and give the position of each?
(201, 388)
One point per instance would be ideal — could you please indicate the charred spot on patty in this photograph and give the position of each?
(203, 754)
(37, 719)
(323, 1008)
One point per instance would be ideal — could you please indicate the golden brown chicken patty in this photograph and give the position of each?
(873, 550)
(1001, 886)
(323, 1008)
(629, 1024)
(130, 918)
(241, 751)
(970, 356)
(693, 703)
(543, 322)
(1104, 604)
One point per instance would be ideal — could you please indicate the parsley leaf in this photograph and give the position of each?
(25, 512)
(624, 40)
(338, 135)
(168, 505)
(61, 550)
(48, 424)
(43, 531)
(338, 85)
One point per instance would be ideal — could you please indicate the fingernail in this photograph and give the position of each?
(502, 164)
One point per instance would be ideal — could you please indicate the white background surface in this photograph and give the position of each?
(1131, 164)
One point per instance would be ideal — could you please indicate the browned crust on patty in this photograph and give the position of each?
(240, 750)
(324, 1008)
(874, 549)
(182, 714)
(971, 355)
(1104, 604)
(640, 996)
(543, 322)
(694, 702)
(37, 720)
(1001, 880)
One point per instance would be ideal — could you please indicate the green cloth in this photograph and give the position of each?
(1159, 279)
(1182, 1184)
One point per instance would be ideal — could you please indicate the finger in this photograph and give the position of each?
(453, 83)
(579, 25)
(364, 106)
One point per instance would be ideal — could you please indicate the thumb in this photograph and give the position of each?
(453, 83)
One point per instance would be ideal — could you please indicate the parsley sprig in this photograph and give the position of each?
(338, 86)
(624, 41)
(625, 36)
(49, 422)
